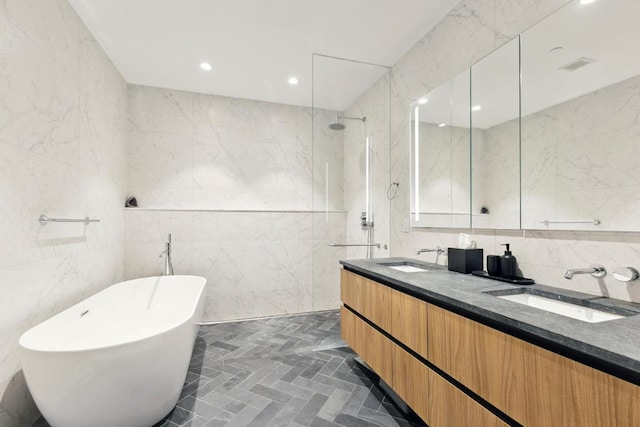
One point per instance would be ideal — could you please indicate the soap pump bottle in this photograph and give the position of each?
(508, 264)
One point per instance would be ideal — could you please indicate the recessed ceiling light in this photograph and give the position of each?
(441, 125)
(206, 66)
(422, 101)
(293, 80)
(587, 1)
(476, 108)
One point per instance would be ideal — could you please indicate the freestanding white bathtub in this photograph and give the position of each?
(118, 358)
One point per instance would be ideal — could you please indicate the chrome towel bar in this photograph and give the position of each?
(340, 245)
(593, 222)
(45, 220)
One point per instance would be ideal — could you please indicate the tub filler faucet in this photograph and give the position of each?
(168, 265)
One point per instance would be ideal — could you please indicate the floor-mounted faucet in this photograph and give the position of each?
(596, 271)
(168, 265)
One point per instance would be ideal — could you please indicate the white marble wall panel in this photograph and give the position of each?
(496, 176)
(62, 153)
(327, 229)
(579, 160)
(197, 151)
(469, 32)
(328, 162)
(214, 153)
(255, 263)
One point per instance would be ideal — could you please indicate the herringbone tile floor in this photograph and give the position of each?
(288, 371)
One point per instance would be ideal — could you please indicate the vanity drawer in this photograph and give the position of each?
(371, 299)
(371, 345)
(409, 322)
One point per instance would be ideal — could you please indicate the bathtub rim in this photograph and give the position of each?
(187, 320)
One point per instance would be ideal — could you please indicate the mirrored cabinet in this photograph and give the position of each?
(540, 134)
(581, 119)
(495, 139)
(440, 156)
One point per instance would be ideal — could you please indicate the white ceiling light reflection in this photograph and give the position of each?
(206, 66)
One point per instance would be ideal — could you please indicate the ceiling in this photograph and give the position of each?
(254, 46)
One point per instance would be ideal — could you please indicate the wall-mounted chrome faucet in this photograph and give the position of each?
(596, 271)
(168, 265)
(437, 250)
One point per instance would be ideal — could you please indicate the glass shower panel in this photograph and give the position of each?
(350, 143)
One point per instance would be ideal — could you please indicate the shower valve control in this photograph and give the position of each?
(363, 221)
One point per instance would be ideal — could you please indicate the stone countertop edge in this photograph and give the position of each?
(612, 346)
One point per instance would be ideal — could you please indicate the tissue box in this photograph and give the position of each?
(465, 260)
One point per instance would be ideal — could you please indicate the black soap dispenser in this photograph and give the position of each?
(508, 266)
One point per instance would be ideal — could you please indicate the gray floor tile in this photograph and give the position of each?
(270, 393)
(265, 416)
(289, 371)
(288, 412)
(244, 417)
(311, 409)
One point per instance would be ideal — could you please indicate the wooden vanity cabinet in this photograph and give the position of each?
(534, 386)
(405, 318)
(531, 385)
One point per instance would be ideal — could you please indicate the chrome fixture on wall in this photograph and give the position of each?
(392, 190)
(364, 223)
(45, 220)
(625, 274)
(337, 124)
(438, 250)
(168, 264)
(345, 245)
(596, 271)
(592, 222)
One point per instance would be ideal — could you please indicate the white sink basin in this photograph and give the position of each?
(574, 311)
(407, 268)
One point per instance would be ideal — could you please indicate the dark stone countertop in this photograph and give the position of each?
(612, 346)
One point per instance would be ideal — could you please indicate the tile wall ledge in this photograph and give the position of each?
(232, 210)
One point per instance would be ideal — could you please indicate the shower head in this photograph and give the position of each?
(338, 125)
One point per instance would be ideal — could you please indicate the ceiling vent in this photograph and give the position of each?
(578, 63)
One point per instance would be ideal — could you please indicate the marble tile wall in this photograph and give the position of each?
(237, 183)
(256, 263)
(445, 184)
(374, 105)
(62, 153)
(579, 160)
(215, 152)
(470, 31)
(496, 176)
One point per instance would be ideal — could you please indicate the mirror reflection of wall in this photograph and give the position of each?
(495, 136)
(440, 150)
(580, 120)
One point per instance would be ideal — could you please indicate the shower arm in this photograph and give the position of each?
(361, 119)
